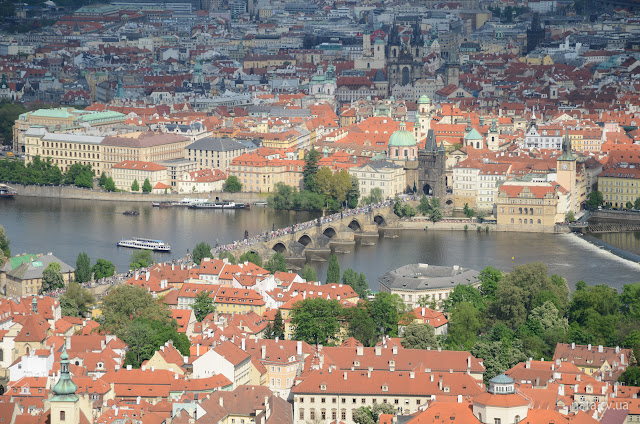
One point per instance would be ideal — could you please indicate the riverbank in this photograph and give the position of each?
(426, 224)
(69, 192)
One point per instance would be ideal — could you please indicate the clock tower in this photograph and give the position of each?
(566, 172)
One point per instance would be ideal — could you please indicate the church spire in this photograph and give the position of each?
(567, 155)
(65, 389)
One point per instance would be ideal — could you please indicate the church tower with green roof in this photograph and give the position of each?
(65, 403)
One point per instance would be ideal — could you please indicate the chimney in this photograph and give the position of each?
(394, 349)
(431, 378)
(197, 350)
(468, 362)
(143, 368)
(221, 401)
(459, 398)
(573, 346)
(277, 339)
(617, 349)
(264, 352)
(578, 377)
(368, 373)
(537, 381)
(622, 359)
(589, 346)
(173, 267)
(299, 348)
(147, 275)
(440, 383)
(378, 350)
(423, 311)
(412, 374)
(128, 367)
(243, 344)
(345, 376)
(267, 407)
(138, 400)
(359, 350)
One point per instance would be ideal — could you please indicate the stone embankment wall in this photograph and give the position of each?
(68, 192)
(422, 223)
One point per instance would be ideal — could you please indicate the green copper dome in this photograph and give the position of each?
(65, 389)
(402, 137)
(424, 100)
(473, 135)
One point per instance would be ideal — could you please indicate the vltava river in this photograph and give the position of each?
(67, 227)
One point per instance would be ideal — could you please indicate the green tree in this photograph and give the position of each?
(139, 337)
(103, 180)
(468, 212)
(315, 321)
(360, 325)
(435, 215)
(309, 273)
(135, 186)
(203, 305)
(201, 251)
(68, 307)
(408, 211)
(102, 269)
(358, 282)
(499, 356)
(228, 256)
(141, 259)
(371, 414)
(324, 182)
(376, 195)
(9, 111)
(109, 184)
(52, 278)
(232, 184)
(464, 293)
(276, 263)
(79, 175)
(83, 268)
(333, 270)
(419, 336)
(310, 170)
(636, 204)
(252, 257)
(77, 300)
(570, 217)
(631, 376)
(4, 243)
(277, 328)
(489, 277)
(353, 195)
(424, 207)
(126, 303)
(594, 199)
(146, 186)
(386, 311)
(464, 326)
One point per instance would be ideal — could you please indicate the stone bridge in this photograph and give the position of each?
(313, 239)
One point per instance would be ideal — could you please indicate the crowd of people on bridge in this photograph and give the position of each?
(268, 235)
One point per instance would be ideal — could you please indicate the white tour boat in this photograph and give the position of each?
(146, 244)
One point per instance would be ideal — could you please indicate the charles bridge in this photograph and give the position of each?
(317, 238)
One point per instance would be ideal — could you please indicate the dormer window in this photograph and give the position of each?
(385, 388)
(323, 387)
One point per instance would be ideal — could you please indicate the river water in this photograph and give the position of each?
(68, 227)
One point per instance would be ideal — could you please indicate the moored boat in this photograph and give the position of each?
(133, 213)
(8, 193)
(145, 244)
(218, 205)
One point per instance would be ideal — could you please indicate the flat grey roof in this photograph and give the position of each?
(216, 144)
(428, 277)
(73, 138)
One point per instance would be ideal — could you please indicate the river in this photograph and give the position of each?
(68, 227)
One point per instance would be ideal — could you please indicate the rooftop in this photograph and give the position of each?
(428, 277)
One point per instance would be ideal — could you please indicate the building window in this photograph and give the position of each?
(62, 415)
(301, 414)
(497, 421)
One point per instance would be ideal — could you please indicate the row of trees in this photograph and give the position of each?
(45, 172)
(135, 186)
(323, 189)
(101, 269)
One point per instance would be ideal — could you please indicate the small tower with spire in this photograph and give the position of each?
(34, 305)
(493, 136)
(566, 171)
(65, 403)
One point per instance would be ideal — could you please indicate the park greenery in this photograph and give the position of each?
(371, 414)
(375, 196)
(308, 273)
(277, 263)
(323, 189)
(508, 318)
(103, 269)
(430, 208)
(232, 184)
(106, 183)
(144, 323)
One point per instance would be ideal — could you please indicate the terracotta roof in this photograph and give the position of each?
(139, 165)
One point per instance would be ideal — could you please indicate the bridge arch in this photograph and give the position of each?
(279, 247)
(305, 240)
(355, 225)
(379, 220)
(330, 232)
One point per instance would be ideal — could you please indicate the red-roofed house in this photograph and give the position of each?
(126, 172)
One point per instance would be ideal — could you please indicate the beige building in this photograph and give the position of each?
(434, 283)
(382, 174)
(202, 181)
(620, 184)
(61, 119)
(126, 172)
(101, 153)
(476, 183)
(210, 152)
(260, 174)
(26, 279)
(531, 207)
